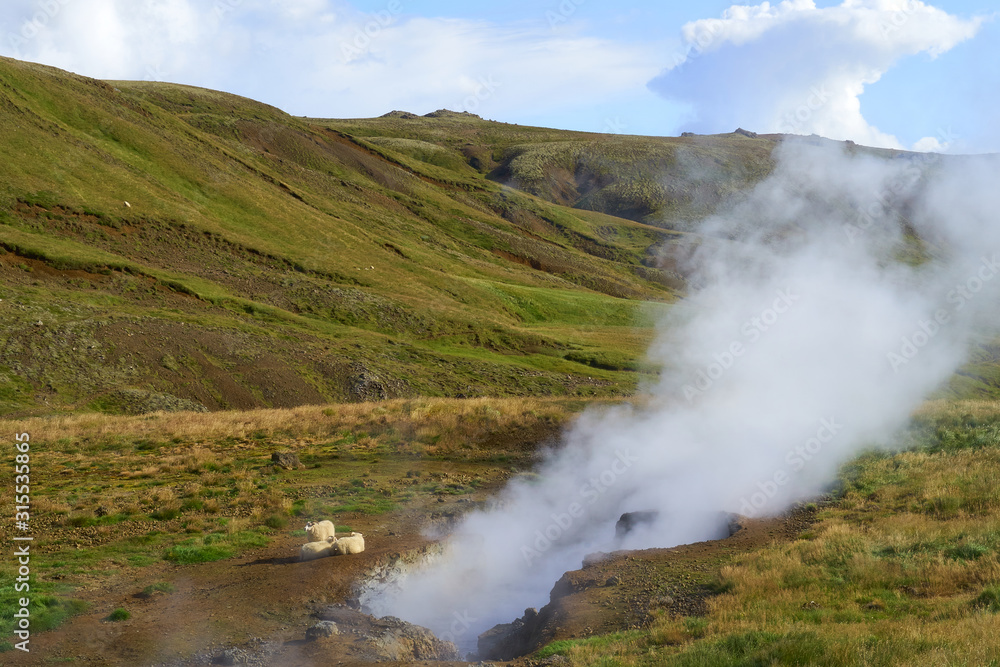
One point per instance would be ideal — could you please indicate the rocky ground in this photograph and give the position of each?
(266, 608)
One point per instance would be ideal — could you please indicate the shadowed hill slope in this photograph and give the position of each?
(663, 181)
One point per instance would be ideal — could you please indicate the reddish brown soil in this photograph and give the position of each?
(266, 595)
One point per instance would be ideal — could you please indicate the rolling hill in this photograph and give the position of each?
(169, 247)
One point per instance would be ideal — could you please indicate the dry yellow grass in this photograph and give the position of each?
(453, 421)
(903, 569)
(978, 409)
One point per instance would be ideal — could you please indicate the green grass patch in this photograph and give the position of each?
(166, 513)
(188, 554)
(47, 611)
(755, 648)
(564, 647)
(119, 614)
(989, 599)
(164, 587)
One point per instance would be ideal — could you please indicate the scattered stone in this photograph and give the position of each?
(745, 133)
(322, 629)
(812, 604)
(366, 384)
(688, 134)
(612, 581)
(286, 460)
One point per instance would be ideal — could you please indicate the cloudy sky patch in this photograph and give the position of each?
(643, 68)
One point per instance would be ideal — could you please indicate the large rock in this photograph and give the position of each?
(632, 520)
(229, 658)
(286, 460)
(389, 638)
(322, 629)
(736, 523)
(368, 384)
(507, 641)
(723, 523)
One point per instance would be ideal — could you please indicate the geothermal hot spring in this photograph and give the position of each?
(824, 306)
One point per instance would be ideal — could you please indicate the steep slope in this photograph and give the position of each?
(164, 242)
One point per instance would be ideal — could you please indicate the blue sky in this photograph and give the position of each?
(900, 73)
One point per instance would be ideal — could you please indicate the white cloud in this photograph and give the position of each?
(930, 145)
(324, 58)
(795, 68)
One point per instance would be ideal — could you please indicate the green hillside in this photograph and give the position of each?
(264, 260)
(663, 181)
(169, 247)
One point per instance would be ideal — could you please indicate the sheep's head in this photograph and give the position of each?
(309, 524)
(332, 539)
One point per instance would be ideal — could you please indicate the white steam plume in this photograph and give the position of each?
(806, 340)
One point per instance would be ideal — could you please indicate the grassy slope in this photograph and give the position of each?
(269, 261)
(664, 181)
(266, 260)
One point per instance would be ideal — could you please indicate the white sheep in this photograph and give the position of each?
(352, 544)
(318, 531)
(314, 550)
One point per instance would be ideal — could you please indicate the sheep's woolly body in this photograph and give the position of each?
(314, 550)
(320, 531)
(353, 544)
